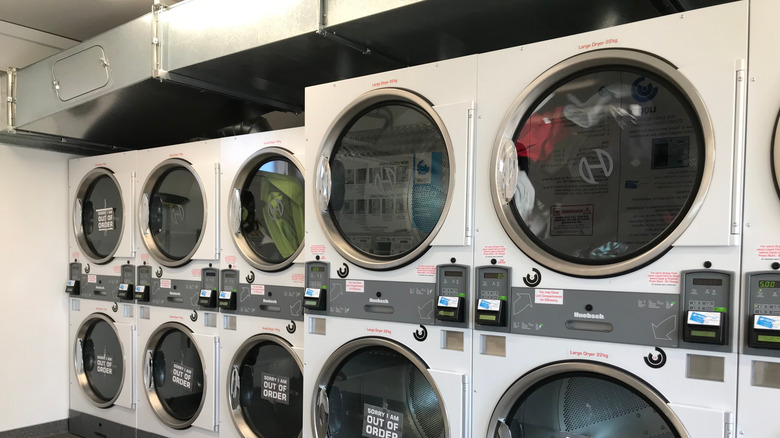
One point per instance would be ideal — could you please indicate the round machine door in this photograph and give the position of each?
(582, 399)
(172, 212)
(266, 209)
(99, 360)
(377, 388)
(98, 215)
(265, 385)
(602, 163)
(384, 180)
(174, 375)
(776, 155)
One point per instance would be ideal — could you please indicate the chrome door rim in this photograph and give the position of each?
(78, 228)
(81, 377)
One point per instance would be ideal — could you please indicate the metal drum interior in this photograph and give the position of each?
(579, 400)
(267, 212)
(98, 217)
(99, 360)
(174, 376)
(602, 163)
(265, 387)
(378, 389)
(387, 162)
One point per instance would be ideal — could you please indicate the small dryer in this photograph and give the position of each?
(389, 252)
(100, 284)
(613, 164)
(759, 361)
(260, 299)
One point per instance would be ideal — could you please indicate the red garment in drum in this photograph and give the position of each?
(540, 134)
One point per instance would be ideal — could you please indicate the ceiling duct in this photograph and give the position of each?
(190, 70)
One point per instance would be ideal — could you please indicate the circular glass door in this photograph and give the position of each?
(174, 376)
(266, 209)
(384, 179)
(602, 163)
(173, 213)
(376, 388)
(581, 399)
(98, 215)
(776, 155)
(265, 385)
(99, 360)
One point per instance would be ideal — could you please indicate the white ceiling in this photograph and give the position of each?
(31, 30)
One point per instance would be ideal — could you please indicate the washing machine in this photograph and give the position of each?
(759, 362)
(260, 300)
(389, 229)
(176, 289)
(611, 164)
(100, 284)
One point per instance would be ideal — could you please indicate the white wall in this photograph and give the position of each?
(34, 349)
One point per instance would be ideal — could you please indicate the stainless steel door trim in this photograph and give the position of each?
(340, 123)
(81, 376)
(247, 167)
(522, 105)
(78, 228)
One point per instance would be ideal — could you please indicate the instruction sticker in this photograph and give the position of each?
(165, 284)
(276, 388)
(258, 289)
(105, 364)
(704, 318)
(571, 220)
(548, 296)
(355, 286)
(381, 423)
(105, 219)
(182, 376)
(768, 322)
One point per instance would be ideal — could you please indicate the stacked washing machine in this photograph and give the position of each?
(260, 300)
(389, 228)
(608, 234)
(176, 290)
(102, 312)
(759, 363)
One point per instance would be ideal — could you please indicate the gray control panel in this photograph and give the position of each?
(93, 286)
(762, 316)
(493, 286)
(73, 285)
(706, 301)
(452, 295)
(185, 294)
(126, 289)
(258, 299)
(209, 289)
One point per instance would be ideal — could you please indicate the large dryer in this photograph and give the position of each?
(102, 311)
(611, 168)
(389, 252)
(759, 361)
(176, 289)
(261, 332)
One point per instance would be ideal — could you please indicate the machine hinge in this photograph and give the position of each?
(740, 109)
(470, 162)
(157, 69)
(217, 243)
(11, 101)
(729, 425)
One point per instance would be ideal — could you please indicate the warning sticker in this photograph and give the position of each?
(494, 251)
(355, 286)
(105, 219)
(548, 296)
(165, 284)
(182, 376)
(276, 388)
(381, 423)
(659, 278)
(769, 252)
(426, 270)
(91, 278)
(571, 220)
(258, 289)
(105, 364)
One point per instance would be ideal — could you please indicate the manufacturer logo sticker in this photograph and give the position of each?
(643, 92)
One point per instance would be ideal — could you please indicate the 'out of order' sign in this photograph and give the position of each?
(381, 423)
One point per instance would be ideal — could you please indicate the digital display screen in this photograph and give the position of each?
(703, 333)
(766, 338)
(211, 274)
(446, 313)
(488, 317)
(493, 275)
(230, 275)
(317, 269)
(453, 273)
(707, 282)
(767, 284)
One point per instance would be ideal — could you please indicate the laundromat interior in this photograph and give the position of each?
(390, 219)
